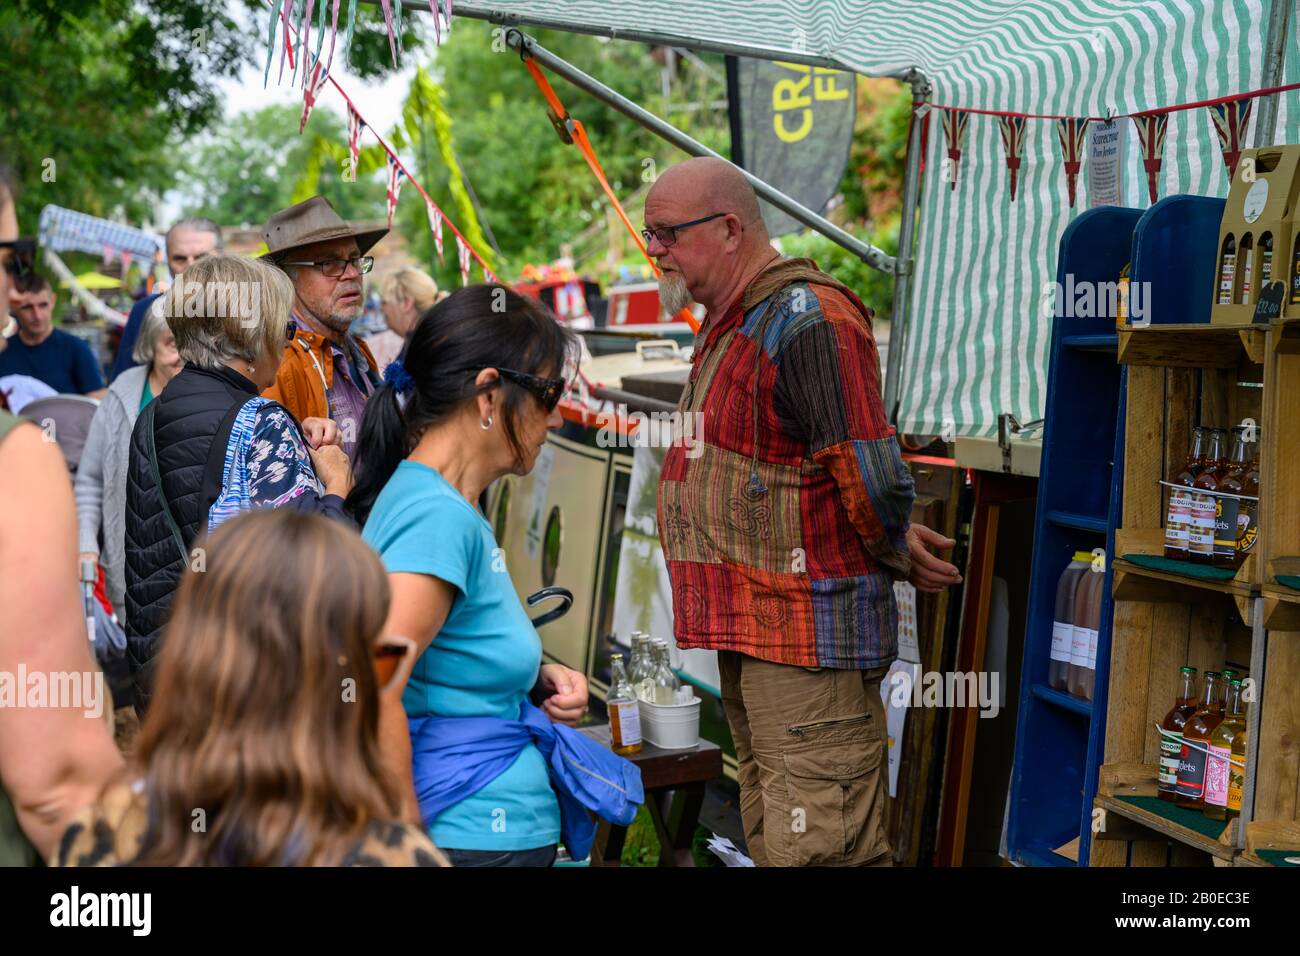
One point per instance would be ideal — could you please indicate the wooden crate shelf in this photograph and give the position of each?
(1275, 839)
(1119, 783)
(1197, 345)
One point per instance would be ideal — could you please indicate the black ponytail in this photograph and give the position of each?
(479, 326)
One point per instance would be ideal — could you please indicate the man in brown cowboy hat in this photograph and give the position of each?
(326, 372)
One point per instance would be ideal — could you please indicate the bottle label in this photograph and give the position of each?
(1236, 783)
(1171, 745)
(1225, 527)
(628, 722)
(1092, 649)
(1227, 273)
(1079, 647)
(1265, 267)
(1062, 636)
(1201, 534)
(1247, 527)
(1191, 770)
(1216, 776)
(1245, 276)
(1177, 520)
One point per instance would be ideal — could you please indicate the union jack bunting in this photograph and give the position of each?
(488, 275)
(1230, 120)
(462, 250)
(1151, 129)
(435, 226)
(355, 125)
(1071, 132)
(311, 92)
(1013, 141)
(954, 133)
(395, 177)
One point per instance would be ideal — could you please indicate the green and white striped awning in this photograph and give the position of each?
(976, 343)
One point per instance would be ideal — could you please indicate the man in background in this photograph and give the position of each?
(57, 358)
(187, 242)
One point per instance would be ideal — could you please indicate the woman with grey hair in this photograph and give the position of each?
(101, 476)
(210, 446)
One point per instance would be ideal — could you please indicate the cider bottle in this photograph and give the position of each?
(1219, 768)
(1200, 543)
(1248, 511)
(1084, 639)
(1245, 263)
(1178, 519)
(1226, 510)
(1228, 269)
(1193, 756)
(624, 714)
(1265, 260)
(1171, 738)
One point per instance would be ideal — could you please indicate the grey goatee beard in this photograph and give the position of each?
(673, 294)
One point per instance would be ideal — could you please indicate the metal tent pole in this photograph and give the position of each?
(526, 45)
(508, 18)
(1274, 56)
(904, 262)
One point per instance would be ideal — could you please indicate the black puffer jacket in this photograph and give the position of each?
(191, 420)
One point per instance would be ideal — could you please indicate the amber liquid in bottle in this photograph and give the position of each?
(1194, 756)
(1220, 770)
(1171, 742)
(1178, 519)
(1227, 510)
(1200, 544)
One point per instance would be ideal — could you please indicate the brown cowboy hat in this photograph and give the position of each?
(310, 221)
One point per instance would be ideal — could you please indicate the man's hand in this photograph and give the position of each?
(928, 572)
(332, 468)
(321, 431)
(566, 694)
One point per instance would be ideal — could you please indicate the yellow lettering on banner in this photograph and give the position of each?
(790, 95)
(824, 87)
(788, 136)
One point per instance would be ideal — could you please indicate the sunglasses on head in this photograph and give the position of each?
(548, 391)
(20, 260)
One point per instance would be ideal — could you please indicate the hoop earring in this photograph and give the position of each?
(488, 426)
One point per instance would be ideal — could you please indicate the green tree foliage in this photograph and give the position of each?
(249, 166)
(100, 94)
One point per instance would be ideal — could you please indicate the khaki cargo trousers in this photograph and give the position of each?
(810, 743)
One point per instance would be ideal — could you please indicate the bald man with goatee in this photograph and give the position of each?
(784, 533)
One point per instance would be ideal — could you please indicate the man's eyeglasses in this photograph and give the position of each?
(18, 257)
(548, 391)
(333, 268)
(667, 235)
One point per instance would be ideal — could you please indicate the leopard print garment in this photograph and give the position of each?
(110, 832)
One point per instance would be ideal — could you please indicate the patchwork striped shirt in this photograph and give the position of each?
(784, 523)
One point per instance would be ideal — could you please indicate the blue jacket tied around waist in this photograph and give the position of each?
(455, 757)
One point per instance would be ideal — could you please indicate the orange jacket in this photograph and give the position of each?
(307, 373)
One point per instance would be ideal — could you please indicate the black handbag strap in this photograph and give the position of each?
(162, 495)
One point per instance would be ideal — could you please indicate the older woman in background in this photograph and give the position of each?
(101, 476)
(405, 295)
(211, 446)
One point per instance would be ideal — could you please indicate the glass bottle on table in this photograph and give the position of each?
(1194, 753)
(1171, 734)
(1219, 768)
(640, 652)
(624, 714)
(1178, 518)
(1248, 512)
(666, 682)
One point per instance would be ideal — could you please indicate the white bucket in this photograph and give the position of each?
(671, 726)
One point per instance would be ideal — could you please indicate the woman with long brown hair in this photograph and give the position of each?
(261, 745)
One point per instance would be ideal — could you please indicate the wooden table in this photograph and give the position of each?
(674, 793)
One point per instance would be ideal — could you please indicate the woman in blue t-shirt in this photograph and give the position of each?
(470, 401)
